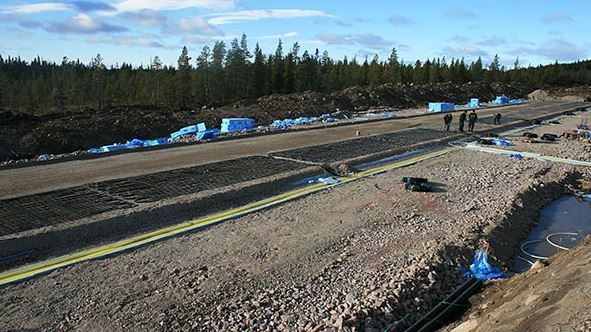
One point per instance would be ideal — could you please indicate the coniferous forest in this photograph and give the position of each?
(223, 73)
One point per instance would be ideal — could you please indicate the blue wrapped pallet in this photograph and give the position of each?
(474, 103)
(501, 100)
(237, 124)
(441, 107)
(208, 134)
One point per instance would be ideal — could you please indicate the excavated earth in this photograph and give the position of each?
(359, 257)
(26, 136)
(555, 296)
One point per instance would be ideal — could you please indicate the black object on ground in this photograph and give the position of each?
(486, 141)
(445, 310)
(549, 137)
(417, 184)
(530, 135)
(568, 113)
(554, 122)
(489, 135)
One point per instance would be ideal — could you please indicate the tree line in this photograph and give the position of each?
(222, 73)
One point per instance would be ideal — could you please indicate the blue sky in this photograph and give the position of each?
(134, 31)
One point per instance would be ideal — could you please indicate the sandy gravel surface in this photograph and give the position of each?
(357, 257)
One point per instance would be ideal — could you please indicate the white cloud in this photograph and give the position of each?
(134, 5)
(368, 40)
(460, 14)
(462, 51)
(147, 18)
(196, 25)
(278, 36)
(400, 20)
(555, 49)
(132, 41)
(83, 23)
(558, 17)
(37, 8)
(259, 14)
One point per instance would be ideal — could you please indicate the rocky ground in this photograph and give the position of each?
(25, 136)
(358, 257)
(554, 296)
(563, 147)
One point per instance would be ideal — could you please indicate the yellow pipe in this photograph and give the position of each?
(29, 271)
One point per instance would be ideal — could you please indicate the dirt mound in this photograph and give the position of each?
(539, 95)
(25, 136)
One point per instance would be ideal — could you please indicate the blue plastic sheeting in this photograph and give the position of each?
(329, 180)
(385, 115)
(189, 130)
(135, 143)
(517, 101)
(515, 156)
(293, 122)
(328, 120)
(441, 107)
(481, 269)
(44, 156)
(501, 142)
(208, 134)
(237, 124)
(500, 100)
(158, 141)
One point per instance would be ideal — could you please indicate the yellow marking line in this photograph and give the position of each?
(32, 270)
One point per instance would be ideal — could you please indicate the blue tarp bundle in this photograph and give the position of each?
(293, 122)
(501, 142)
(134, 143)
(328, 120)
(481, 269)
(474, 103)
(441, 107)
(236, 124)
(516, 101)
(515, 156)
(386, 115)
(500, 100)
(208, 134)
(189, 130)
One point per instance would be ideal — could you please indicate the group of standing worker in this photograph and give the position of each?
(472, 118)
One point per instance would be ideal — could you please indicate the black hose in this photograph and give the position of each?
(451, 308)
(454, 301)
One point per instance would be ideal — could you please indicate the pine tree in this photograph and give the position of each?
(278, 69)
(184, 78)
(98, 69)
(259, 73)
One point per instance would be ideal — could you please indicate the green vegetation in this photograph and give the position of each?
(224, 74)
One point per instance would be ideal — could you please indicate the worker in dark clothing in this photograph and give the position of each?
(497, 119)
(472, 120)
(463, 117)
(447, 121)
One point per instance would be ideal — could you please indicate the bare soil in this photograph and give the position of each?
(358, 257)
